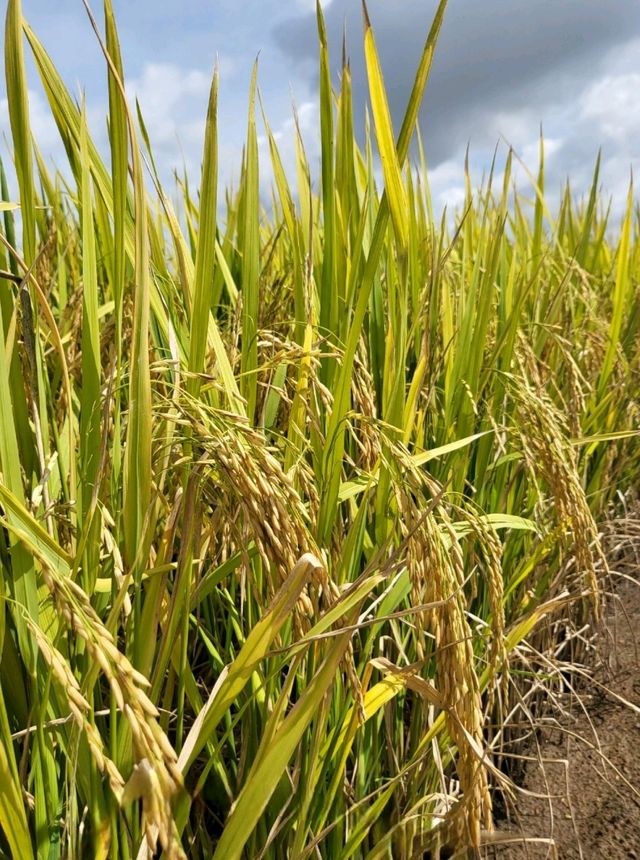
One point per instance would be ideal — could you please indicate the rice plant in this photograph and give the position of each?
(290, 490)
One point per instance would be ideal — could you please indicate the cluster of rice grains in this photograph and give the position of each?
(249, 491)
(155, 778)
(550, 458)
(436, 568)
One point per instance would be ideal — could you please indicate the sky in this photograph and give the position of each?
(503, 69)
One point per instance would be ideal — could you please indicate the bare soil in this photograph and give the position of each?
(580, 792)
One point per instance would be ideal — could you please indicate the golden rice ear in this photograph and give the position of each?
(551, 457)
(435, 565)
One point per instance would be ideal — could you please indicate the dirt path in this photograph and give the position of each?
(583, 797)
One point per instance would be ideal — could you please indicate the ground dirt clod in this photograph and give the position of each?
(584, 789)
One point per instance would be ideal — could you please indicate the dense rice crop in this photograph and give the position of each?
(294, 498)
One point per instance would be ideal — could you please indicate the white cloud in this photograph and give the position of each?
(44, 131)
(165, 92)
(612, 103)
(43, 126)
(310, 5)
(531, 151)
(446, 183)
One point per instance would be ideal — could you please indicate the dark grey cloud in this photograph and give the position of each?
(495, 57)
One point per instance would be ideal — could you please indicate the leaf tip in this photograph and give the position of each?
(365, 16)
